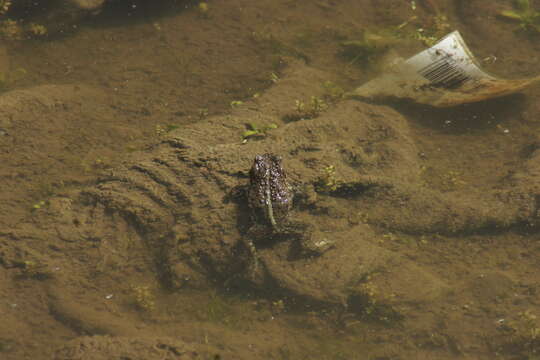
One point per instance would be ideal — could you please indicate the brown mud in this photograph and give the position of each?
(122, 228)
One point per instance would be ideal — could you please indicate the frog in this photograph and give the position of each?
(270, 196)
(270, 201)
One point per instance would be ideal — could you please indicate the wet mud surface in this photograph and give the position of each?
(125, 216)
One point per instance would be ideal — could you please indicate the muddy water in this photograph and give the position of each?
(124, 166)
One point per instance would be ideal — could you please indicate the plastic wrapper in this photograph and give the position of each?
(446, 74)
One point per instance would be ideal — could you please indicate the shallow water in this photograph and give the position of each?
(99, 240)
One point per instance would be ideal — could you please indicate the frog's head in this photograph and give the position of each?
(263, 165)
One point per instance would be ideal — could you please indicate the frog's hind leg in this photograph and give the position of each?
(254, 256)
(251, 269)
(255, 268)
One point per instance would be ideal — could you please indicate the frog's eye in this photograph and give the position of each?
(276, 158)
(259, 162)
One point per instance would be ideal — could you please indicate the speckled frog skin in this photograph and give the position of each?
(270, 196)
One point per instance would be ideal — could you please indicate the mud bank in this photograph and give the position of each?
(168, 210)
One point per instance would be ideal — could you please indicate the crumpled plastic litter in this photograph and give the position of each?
(447, 74)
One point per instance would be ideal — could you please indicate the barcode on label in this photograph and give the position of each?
(445, 73)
